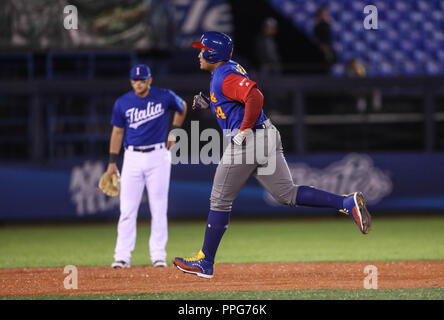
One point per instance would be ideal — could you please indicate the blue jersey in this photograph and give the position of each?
(145, 120)
(229, 87)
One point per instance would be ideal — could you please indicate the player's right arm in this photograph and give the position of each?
(117, 134)
(114, 148)
(200, 101)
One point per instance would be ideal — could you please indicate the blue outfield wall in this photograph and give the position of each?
(391, 182)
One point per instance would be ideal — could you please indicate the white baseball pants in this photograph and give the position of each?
(151, 169)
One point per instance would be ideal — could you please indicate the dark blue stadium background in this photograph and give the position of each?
(57, 92)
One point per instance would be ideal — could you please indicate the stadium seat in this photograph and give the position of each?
(409, 39)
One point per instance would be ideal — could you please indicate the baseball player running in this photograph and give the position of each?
(236, 102)
(140, 120)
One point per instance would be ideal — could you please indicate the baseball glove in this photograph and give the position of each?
(110, 184)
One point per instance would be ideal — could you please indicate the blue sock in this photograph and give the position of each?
(217, 223)
(312, 197)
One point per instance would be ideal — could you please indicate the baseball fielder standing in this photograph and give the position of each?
(140, 121)
(236, 102)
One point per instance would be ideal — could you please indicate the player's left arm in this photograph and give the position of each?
(253, 107)
(245, 91)
(179, 117)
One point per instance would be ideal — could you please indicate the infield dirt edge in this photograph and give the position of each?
(227, 277)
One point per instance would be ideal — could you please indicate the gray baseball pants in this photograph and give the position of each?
(261, 156)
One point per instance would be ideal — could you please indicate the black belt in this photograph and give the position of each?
(140, 149)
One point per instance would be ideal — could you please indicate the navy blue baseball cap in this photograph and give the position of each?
(218, 46)
(140, 71)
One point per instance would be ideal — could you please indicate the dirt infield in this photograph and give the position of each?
(264, 276)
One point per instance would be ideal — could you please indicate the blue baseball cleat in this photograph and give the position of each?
(354, 206)
(196, 265)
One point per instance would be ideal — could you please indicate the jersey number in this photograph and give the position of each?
(220, 113)
(241, 70)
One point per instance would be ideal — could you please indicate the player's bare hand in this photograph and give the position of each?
(200, 101)
(171, 141)
(170, 144)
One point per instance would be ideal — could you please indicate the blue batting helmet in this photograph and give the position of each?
(140, 71)
(217, 45)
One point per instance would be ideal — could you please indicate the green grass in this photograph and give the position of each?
(312, 294)
(245, 241)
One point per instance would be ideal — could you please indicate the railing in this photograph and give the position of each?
(66, 64)
(52, 119)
